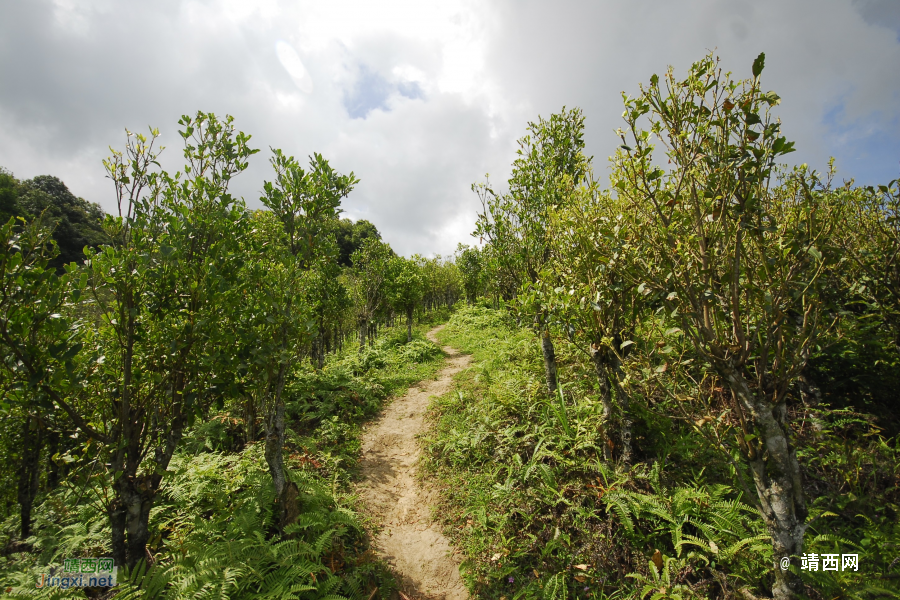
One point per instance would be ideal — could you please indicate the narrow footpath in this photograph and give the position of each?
(411, 542)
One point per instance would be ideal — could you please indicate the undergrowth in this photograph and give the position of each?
(212, 527)
(538, 513)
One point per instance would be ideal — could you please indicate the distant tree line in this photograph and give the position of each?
(75, 222)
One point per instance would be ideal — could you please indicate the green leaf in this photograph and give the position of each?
(777, 145)
(625, 344)
(814, 252)
(759, 64)
(73, 351)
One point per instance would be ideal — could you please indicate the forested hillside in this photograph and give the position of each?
(74, 222)
(684, 382)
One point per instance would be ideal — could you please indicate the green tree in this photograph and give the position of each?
(9, 196)
(590, 291)
(350, 236)
(550, 164)
(405, 288)
(734, 261)
(75, 222)
(274, 321)
(306, 202)
(471, 266)
(368, 285)
(39, 344)
(293, 300)
(332, 300)
(162, 289)
(870, 238)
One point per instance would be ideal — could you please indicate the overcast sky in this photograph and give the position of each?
(421, 99)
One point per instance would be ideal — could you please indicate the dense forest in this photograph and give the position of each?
(684, 376)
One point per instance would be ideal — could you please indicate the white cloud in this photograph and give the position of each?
(421, 99)
(291, 62)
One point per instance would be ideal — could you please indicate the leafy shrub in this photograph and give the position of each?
(417, 351)
(335, 391)
(479, 317)
(706, 527)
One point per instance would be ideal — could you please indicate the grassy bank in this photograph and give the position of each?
(538, 513)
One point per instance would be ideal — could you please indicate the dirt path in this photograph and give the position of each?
(409, 539)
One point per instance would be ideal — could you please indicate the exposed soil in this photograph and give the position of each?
(410, 540)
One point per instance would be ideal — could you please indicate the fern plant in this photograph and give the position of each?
(216, 542)
(660, 584)
(706, 526)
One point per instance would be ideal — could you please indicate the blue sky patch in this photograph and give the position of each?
(866, 149)
(371, 91)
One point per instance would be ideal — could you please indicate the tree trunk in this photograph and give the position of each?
(811, 396)
(625, 407)
(134, 499)
(285, 491)
(53, 439)
(363, 330)
(29, 470)
(275, 433)
(776, 474)
(250, 418)
(409, 317)
(129, 511)
(320, 350)
(599, 360)
(549, 360)
(118, 522)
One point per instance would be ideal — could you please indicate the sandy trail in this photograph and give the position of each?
(410, 540)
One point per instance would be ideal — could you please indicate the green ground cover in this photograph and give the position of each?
(538, 513)
(213, 528)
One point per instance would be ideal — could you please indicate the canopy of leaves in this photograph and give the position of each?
(76, 223)
(350, 236)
